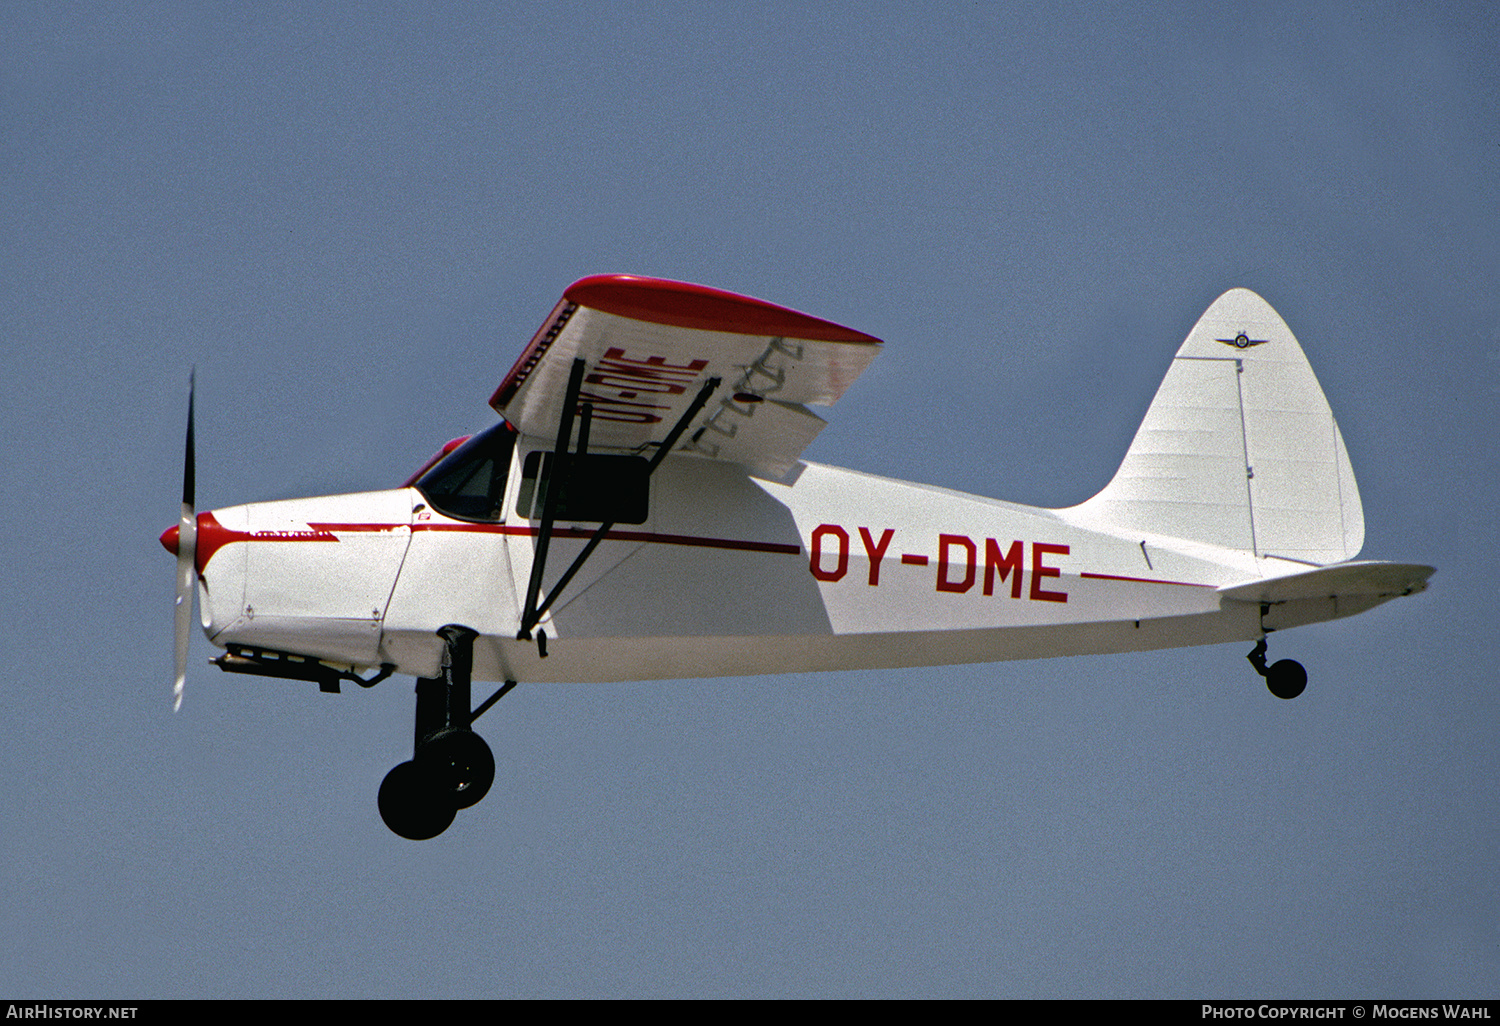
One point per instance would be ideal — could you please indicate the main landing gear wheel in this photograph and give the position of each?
(461, 765)
(413, 804)
(1285, 678)
(453, 770)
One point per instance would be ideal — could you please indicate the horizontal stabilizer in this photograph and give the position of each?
(1366, 579)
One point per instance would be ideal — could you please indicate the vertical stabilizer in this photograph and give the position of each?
(1239, 447)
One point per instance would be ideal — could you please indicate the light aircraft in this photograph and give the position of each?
(642, 512)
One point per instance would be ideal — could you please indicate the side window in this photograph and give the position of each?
(469, 483)
(594, 488)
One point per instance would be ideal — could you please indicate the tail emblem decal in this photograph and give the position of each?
(1243, 341)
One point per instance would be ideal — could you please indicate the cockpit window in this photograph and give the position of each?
(469, 483)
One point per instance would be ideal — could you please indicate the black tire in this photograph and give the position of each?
(1286, 679)
(412, 804)
(461, 764)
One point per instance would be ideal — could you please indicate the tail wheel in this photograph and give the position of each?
(1286, 678)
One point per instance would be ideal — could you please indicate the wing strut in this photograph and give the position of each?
(530, 614)
(533, 611)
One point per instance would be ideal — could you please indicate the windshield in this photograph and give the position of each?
(469, 483)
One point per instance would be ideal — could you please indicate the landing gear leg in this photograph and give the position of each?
(1285, 678)
(451, 768)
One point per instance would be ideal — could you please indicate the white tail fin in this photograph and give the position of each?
(1239, 447)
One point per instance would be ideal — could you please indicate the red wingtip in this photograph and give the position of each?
(169, 538)
(680, 304)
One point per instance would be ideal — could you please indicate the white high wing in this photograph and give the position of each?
(642, 512)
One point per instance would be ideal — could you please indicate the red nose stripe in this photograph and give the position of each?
(213, 536)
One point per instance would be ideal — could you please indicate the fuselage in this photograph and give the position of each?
(725, 574)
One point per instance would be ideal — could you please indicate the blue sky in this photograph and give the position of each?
(350, 218)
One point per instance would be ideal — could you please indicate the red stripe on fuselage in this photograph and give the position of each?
(213, 536)
(1145, 580)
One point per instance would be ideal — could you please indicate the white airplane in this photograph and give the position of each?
(642, 512)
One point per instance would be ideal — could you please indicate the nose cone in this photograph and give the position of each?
(169, 538)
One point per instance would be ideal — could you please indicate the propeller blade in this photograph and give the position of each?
(187, 554)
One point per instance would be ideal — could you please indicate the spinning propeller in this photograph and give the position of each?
(187, 553)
